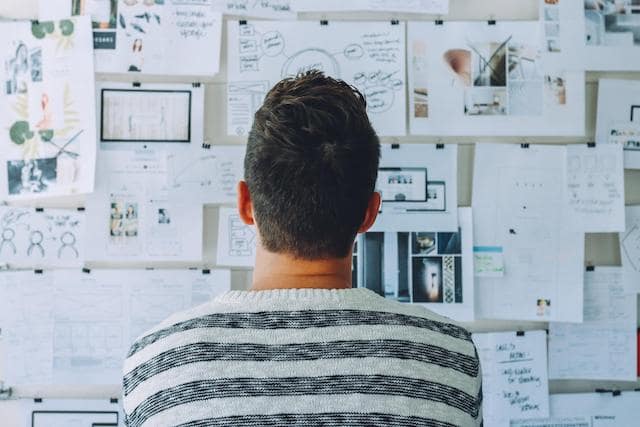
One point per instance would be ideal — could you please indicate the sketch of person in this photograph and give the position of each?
(115, 227)
(18, 71)
(136, 56)
(47, 120)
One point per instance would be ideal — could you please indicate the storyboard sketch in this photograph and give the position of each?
(39, 238)
(62, 412)
(236, 240)
(601, 409)
(517, 203)
(210, 173)
(430, 268)
(598, 35)
(471, 78)
(418, 184)
(150, 115)
(266, 9)
(630, 250)
(135, 216)
(369, 55)
(515, 383)
(83, 322)
(435, 7)
(155, 37)
(47, 116)
(618, 118)
(595, 187)
(603, 347)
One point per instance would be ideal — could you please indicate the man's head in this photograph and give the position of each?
(311, 168)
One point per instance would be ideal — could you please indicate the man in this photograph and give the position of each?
(302, 347)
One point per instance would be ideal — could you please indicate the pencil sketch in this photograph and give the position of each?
(368, 55)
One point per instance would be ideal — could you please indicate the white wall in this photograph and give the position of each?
(601, 249)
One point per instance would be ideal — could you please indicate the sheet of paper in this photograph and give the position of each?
(630, 250)
(603, 347)
(47, 118)
(236, 241)
(471, 78)
(150, 115)
(602, 409)
(73, 327)
(488, 261)
(430, 268)
(553, 422)
(149, 37)
(210, 173)
(516, 195)
(436, 7)
(26, 318)
(618, 118)
(269, 9)
(514, 376)
(62, 413)
(135, 217)
(369, 55)
(595, 188)
(47, 238)
(419, 185)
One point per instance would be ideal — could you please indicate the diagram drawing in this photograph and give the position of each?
(369, 56)
(41, 238)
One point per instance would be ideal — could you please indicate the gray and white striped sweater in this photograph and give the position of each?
(304, 357)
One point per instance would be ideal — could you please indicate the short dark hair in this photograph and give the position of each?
(311, 166)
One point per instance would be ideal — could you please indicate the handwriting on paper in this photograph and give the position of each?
(515, 380)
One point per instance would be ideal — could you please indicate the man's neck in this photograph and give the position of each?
(281, 271)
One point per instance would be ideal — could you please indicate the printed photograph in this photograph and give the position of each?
(31, 176)
(612, 22)
(489, 63)
(555, 91)
(123, 221)
(402, 184)
(486, 101)
(423, 243)
(103, 12)
(427, 280)
(449, 244)
(163, 216)
(17, 70)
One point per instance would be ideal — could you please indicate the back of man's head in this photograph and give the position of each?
(311, 166)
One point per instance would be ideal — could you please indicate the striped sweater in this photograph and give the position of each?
(303, 357)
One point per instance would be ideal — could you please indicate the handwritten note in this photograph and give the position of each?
(595, 188)
(630, 250)
(514, 376)
(272, 9)
(603, 347)
(488, 261)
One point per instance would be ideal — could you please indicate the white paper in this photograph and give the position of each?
(630, 250)
(47, 119)
(150, 115)
(269, 9)
(135, 217)
(603, 409)
(62, 413)
(46, 238)
(408, 204)
(436, 7)
(604, 346)
(74, 327)
(595, 188)
(471, 78)
(26, 316)
(518, 195)
(369, 55)
(618, 118)
(553, 422)
(514, 376)
(236, 241)
(209, 173)
(430, 268)
(146, 37)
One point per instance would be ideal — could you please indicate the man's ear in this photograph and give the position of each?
(372, 212)
(245, 207)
